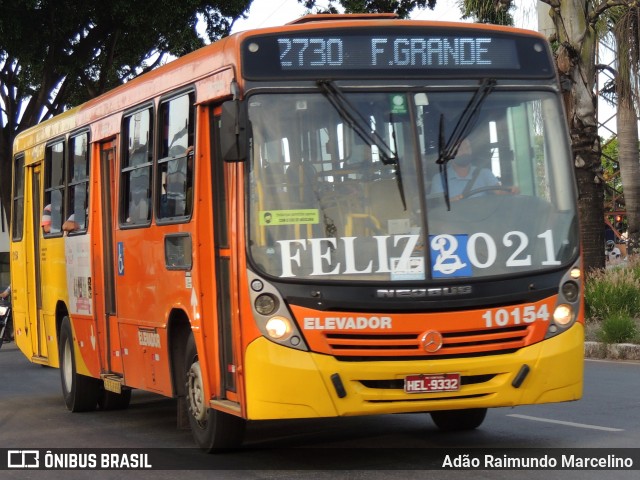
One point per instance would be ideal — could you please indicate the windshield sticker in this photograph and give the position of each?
(456, 255)
(398, 104)
(402, 258)
(321, 255)
(413, 270)
(309, 216)
(449, 256)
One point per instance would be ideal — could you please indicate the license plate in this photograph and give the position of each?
(445, 382)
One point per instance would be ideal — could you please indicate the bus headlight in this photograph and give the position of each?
(570, 290)
(563, 314)
(569, 302)
(271, 314)
(278, 327)
(266, 304)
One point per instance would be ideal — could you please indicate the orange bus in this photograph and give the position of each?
(346, 215)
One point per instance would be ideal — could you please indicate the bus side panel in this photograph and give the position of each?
(22, 277)
(146, 291)
(80, 305)
(20, 305)
(145, 356)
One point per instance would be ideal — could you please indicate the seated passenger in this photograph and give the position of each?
(70, 225)
(46, 219)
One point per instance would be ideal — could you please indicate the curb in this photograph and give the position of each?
(613, 351)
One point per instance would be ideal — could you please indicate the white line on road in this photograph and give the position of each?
(570, 424)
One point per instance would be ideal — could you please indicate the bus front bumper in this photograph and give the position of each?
(286, 383)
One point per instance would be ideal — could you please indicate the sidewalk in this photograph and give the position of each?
(615, 351)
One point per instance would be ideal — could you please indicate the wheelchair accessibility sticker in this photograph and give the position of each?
(449, 256)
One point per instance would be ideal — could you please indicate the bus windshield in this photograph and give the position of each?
(352, 185)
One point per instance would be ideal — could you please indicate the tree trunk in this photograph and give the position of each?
(5, 175)
(575, 59)
(627, 125)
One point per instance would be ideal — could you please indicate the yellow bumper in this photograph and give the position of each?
(286, 383)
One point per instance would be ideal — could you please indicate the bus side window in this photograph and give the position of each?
(76, 218)
(135, 206)
(17, 217)
(54, 187)
(175, 165)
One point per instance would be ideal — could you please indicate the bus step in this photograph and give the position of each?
(226, 406)
(112, 383)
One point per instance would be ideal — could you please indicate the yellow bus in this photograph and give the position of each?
(345, 215)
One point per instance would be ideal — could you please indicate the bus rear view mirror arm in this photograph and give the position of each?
(233, 131)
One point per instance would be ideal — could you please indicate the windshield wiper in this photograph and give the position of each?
(449, 150)
(397, 164)
(362, 127)
(357, 121)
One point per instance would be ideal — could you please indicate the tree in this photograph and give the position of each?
(402, 7)
(578, 25)
(575, 41)
(487, 11)
(611, 175)
(54, 55)
(625, 24)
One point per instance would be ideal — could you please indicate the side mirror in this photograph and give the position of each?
(233, 131)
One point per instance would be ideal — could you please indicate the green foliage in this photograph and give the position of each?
(618, 328)
(54, 54)
(611, 170)
(612, 300)
(487, 11)
(610, 156)
(613, 291)
(402, 7)
(85, 47)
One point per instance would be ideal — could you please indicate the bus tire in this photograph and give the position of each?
(114, 401)
(459, 420)
(79, 391)
(213, 430)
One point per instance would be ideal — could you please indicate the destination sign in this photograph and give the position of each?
(393, 52)
(401, 52)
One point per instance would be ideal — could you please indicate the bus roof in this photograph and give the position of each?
(203, 63)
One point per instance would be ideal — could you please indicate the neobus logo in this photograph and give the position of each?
(423, 292)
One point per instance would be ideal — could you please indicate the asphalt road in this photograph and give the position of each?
(33, 416)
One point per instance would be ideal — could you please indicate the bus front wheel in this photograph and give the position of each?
(212, 430)
(80, 392)
(459, 420)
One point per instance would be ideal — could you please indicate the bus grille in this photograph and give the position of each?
(457, 344)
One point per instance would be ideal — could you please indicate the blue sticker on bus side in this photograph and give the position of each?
(449, 256)
(120, 258)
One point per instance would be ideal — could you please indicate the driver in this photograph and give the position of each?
(463, 177)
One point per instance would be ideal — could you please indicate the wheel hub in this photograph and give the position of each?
(195, 393)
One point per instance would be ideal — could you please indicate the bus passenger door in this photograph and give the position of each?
(38, 332)
(225, 266)
(109, 327)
